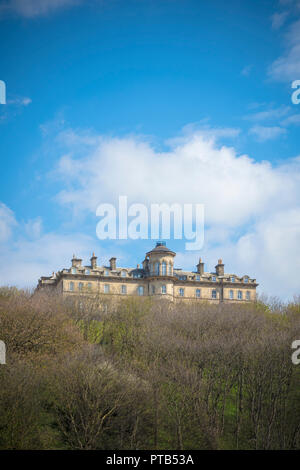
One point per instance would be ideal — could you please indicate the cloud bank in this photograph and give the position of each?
(252, 209)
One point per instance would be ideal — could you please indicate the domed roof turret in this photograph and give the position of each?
(161, 248)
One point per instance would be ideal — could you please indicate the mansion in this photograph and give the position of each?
(157, 277)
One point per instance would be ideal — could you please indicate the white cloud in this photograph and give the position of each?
(13, 107)
(287, 66)
(278, 19)
(34, 8)
(26, 101)
(252, 215)
(251, 208)
(20, 101)
(33, 228)
(294, 119)
(7, 222)
(269, 114)
(263, 133)
(246, 70)
(271, 251)
(26, 253)
(194, 170)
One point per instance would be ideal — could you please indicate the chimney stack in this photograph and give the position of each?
(220, 268)
(113, 263)
(94, 261)
(76, 262)
(200, 267)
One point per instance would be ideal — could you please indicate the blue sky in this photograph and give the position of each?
(103, 94)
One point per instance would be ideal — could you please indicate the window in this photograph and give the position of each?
(123, 273)
(141, 290)
(124, 289)
(240, 295)
(73, 270)
(106, 288)
(137, 274)
(157, 268)
(198, 293)
(248, 295)
(153, 289)
(213, 278)
(197, 277)
(181, 292)
(170, 269)
(231, 295)
(106, 272)
(182, 278)
(80, 286)
(89, 286)
(214, 294)
(163, 289)
(71, 286)
(87, 271)
(232, 279)
(246, 279)
(164, 268)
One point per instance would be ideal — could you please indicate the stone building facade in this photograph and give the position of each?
(157, 277)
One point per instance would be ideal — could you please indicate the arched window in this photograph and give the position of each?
(141, 290)
(80, 286)
(232, 279)
(71, 286)
(240, 295)
(170, 269)
(198, 293)
(246, 279)
(213, 278)
(163, 289)
(231, 295)
(248, 295)
(214, 294)
(73, 270)
(181, 292)
(123, 273)
(157, 268)
(87, 271)
(164, 268)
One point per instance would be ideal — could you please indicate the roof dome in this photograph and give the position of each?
(161, 248)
